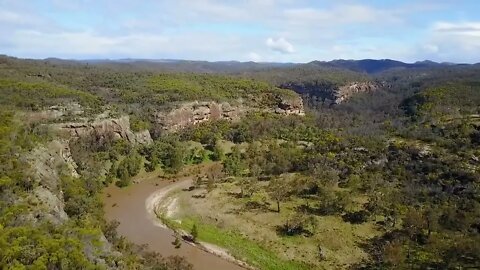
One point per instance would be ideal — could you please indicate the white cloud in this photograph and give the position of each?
(430, 48)
(454, 41)
(17, 19)
(280, 45)
(253, 56)
(257, 30)
(463, 28)
(340, 14)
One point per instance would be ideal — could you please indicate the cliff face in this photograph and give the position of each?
(345, 92)
(330, 93)
(192, 113)
(290, 106)
(106, 129)
(46, 164)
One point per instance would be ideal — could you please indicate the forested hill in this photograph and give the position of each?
(369, 66)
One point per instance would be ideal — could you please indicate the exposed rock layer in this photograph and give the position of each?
(47, 163)
(118, 128)
(192, 113)
(330, 93)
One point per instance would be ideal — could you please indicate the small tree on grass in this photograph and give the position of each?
(248, 186)
(278, 191)
(214, 173)
(194, 232)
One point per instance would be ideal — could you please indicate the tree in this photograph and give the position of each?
(112, 173)
(123, 175)
(194, 232)
(394, 254)
(298, 223)
(248, 185)
(233, 164)
(173, 156)
(215, 172)
(278, 191)
(218, 153)
(326, 176)
(134, 163)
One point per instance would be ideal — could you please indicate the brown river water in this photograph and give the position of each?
(127, 206)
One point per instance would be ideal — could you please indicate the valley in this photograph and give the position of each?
(305, 166)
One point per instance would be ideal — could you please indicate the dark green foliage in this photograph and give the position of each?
(124, 176)
(297, 224)
(357, 217)
(127, 168)
(194, 232)
(169, 152)
(279, 191)
(233, 164)
(217, 153)
(37, 94)
(61, 248)
(138, 124)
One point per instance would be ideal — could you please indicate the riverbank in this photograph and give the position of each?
(248, 228)
(161, 206)
(128, 207)
(228, 244)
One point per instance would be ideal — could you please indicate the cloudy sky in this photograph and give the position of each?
(244, 30)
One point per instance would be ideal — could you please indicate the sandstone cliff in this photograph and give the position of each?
(192, 113)
(345, 92)
(104, 129)
(46, 164)
(330, 93)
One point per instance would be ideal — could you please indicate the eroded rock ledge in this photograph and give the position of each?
(333, 94)
(192, 113)
(104, 129)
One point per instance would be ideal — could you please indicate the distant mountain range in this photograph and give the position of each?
(369, 66)
(375, 66)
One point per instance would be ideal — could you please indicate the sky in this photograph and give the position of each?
(242, 30)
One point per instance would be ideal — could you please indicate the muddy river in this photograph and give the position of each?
(128, 206)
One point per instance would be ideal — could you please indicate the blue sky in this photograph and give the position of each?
(248, 30)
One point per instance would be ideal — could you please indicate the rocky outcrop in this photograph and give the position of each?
(192, 113)
(345, 92)
(104, 129)
(330, 93)
(46, 165)
(289, 106)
